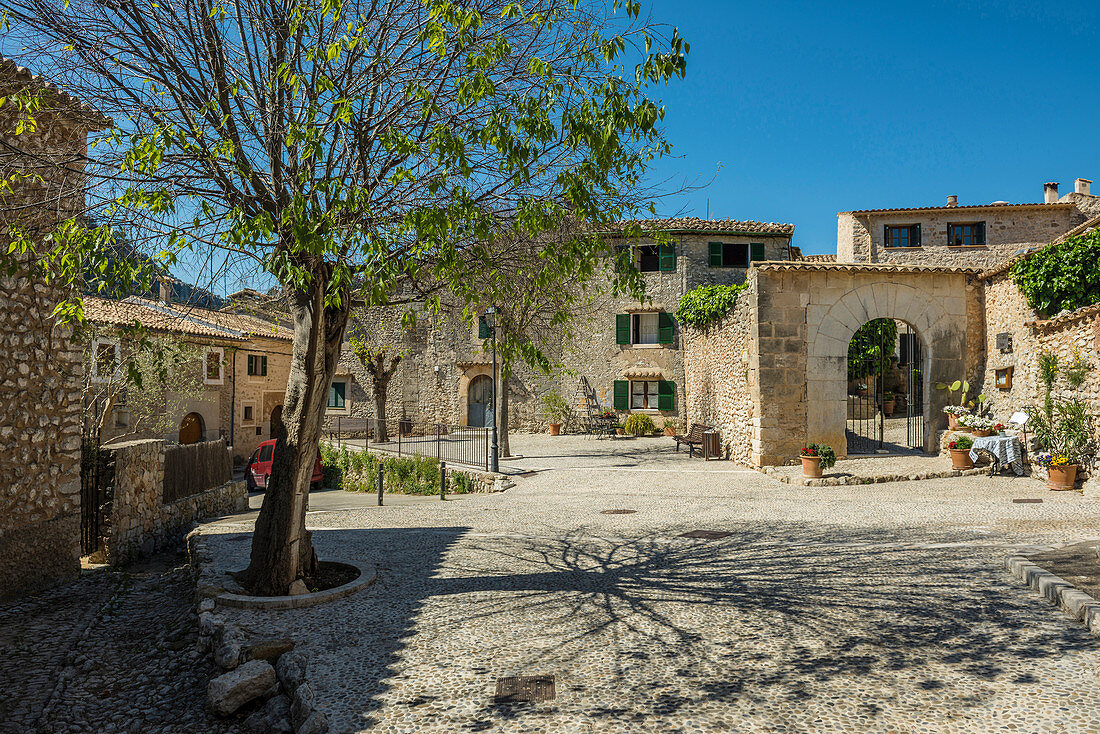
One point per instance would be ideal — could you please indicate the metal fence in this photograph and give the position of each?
(454, 444)
(195, 468)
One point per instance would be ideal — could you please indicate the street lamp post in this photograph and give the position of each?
(494, 450)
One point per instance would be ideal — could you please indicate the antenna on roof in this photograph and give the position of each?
(708, 208)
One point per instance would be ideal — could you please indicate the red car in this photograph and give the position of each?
(258, 469)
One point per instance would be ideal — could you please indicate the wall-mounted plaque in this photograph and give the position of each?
(1004, 378)
(1004, 341)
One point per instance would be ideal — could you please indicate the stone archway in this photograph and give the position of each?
(192, 429)
(479, 408)
(830, 329)
(471, 372)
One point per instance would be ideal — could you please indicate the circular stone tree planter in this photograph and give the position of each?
(367, 575)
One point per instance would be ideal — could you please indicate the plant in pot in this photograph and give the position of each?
(816, 458)
(639, 424)
(888, 403)
(1065, 436)
(953, 413)
(671, 426)
(558, 411)
(960, 453)
(1001, 429)
(963, 406)
(980, 426)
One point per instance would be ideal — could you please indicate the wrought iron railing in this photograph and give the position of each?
(467, 445)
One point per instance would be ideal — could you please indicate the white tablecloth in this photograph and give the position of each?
(1006, 451)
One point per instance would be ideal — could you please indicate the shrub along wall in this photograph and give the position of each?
(357, 471)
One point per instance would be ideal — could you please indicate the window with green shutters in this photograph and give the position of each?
(622, 395)
(666, 395)
(622, 329)
(337, 392)
(668, 258)
(756, 251)
(664, 328)
(257, 365)
(483, 330)
(728, 255)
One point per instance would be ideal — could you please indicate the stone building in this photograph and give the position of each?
(40, 372)
(981, 235)
(240, 378)
(627, 355)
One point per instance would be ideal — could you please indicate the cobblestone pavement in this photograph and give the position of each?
(110, 652)
(878, 608)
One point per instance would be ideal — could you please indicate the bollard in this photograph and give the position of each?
(379, 484)
(442, 480)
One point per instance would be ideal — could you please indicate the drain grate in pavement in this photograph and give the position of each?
(523, 688)
(527, 474)
(617, 512)
(706, 534)
(1027, 501)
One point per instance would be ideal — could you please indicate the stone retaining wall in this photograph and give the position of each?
(139, 523)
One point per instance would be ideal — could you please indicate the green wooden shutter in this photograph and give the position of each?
(251, 368)
(979, 233)
(756, 251)
(337, 394)
(263, 363)
(666, 395)
(886, 235)
(715, 254)
(483, 330)
(914, 236)
(622, 328)
(668, 258)
(664, 328)
(622, 395)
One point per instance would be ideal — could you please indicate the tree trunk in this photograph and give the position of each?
(502, 430)
(381, 386)
(282, 550)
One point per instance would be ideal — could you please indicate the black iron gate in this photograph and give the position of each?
(885, 410)
(95, 484)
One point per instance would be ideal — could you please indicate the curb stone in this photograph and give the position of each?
(1074, 602)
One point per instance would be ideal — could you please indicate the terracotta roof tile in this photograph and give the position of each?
(181, 319)
(10, 69)
(694, 224)
(827, 257)
(861, 267)
(964, 207)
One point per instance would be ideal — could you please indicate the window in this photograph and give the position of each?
(966, 235)
(906, 235)
(265, 452)
(643, 328)
(106, 358)
(214, 359)
(257, 365)
(336, 393)
(654, 258)
(248, 413)
(645, 395)
(728, 255)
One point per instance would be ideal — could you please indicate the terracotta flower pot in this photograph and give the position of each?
(888, 408)
(1061, 477)
(953, 422)
(960, 459)
(811, 467)
(620, 431)
(981, 433)
(670, 431)
(555, 429)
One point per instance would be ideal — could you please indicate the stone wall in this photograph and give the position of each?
(263, 394)
(138, 521)
(1009, 229)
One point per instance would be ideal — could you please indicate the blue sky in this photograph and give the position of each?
(799, 110)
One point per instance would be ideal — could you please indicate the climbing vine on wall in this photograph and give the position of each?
(700, 307)
(868, 352)
(1062, 276)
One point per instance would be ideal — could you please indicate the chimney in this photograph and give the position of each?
(1050, 192)
(164, 290)
(953, 200)
(1083, 186)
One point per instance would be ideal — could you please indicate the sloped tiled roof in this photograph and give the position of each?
(695, 224)
(861, 267)
(828, 257)
(180, 319)
(963, 207)
(10, 69)
(1078, 230)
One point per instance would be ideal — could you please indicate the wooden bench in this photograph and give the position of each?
(693, 438)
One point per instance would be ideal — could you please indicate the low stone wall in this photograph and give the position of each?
(139, 522)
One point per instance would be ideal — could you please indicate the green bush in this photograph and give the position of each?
(460, 483)
(1062, 276)
(639, 424)
(700, 307)
(411, 474)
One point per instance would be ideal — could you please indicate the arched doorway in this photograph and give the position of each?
(479, 398)
(192, 429)
(885, 406)
(276, 420)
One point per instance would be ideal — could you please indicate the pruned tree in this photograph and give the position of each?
(350, 148)
(373, 359)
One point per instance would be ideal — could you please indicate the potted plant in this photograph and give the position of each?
(815, 458)
(557, 410)
(671, 426)
(861, 389)
(639, 424)
(620, 429)
(1060, 473)
(953, 412)
(888, 403)
(1001, 429)
(960, 453)
(978, 425)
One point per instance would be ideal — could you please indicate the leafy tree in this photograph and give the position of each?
(871, 347)
(374, 360)
(348, 149)
(1061, 276)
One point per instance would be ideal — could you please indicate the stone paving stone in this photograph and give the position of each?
(860, 609)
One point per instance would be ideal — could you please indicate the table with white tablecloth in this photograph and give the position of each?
(1005, 450)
